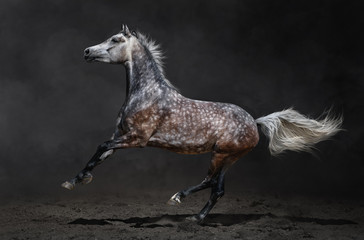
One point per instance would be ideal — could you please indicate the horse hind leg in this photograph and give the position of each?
(216, 168)
(219, 165)
(217, 191)
(176, 198)
(206, 183)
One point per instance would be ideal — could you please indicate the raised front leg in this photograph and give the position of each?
(103, 151)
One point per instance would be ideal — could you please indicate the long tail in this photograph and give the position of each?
(290, 130)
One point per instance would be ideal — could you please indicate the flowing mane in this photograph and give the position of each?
(156, 52)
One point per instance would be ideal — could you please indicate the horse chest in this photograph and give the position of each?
(139, 120)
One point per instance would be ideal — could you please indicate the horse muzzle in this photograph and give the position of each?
(88, 56)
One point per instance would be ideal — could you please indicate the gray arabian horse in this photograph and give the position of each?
(155, 114)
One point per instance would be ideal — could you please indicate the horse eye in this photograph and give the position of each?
(115, 39)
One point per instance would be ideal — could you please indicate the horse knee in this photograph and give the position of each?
(106, 154)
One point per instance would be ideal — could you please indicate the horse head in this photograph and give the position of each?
(116, 50)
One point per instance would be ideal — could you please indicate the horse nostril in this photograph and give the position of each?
(87, 51)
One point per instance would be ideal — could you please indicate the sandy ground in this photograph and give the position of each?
(147, 216)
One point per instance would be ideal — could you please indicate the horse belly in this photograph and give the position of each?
(186, 142)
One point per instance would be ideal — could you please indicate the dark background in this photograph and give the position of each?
(261, 55)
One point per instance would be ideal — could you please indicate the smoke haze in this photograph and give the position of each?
(261, 55)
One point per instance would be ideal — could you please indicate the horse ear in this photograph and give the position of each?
(126, 30)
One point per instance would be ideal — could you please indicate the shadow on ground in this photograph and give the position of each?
(213, 220)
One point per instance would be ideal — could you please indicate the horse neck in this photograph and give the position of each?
(144, 79)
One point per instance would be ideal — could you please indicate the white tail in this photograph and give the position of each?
(290, 130)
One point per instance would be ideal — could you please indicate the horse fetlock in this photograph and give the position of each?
(175, 199)
(86, 178)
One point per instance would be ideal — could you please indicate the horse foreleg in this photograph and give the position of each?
(103, 151)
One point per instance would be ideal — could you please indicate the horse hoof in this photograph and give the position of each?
(174, 200)
(68, 185)
(195, 218)
(87, 178)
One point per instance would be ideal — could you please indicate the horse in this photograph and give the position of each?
(156, 114)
